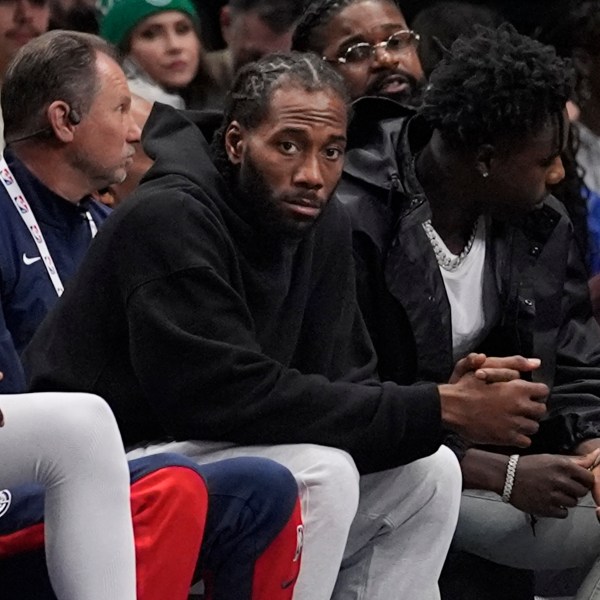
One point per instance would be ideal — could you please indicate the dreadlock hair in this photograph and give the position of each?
(249, 99)
(495, 85)
(316, 17)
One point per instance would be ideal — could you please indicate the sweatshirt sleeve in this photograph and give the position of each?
(194, 350)
(574, 403)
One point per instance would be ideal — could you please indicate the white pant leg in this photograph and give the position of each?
(328, 484)
(70, 444)
(403, 528)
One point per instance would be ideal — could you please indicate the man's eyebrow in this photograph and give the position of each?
(361, 37)
(338, 138)
(353, 39)
(290, 129)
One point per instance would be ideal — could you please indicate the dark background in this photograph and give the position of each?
(526, 15)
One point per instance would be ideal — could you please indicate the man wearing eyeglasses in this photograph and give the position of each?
(368, 42)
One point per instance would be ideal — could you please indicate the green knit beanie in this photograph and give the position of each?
(123, 15)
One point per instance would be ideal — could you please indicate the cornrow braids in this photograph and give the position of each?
(316, 16)
(494, 85)
(250, 95)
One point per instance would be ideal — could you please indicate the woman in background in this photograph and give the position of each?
(163, 52)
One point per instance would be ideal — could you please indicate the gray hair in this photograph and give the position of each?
(58, 65)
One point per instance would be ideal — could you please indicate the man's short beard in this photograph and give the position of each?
(260, 207)
(411, 98)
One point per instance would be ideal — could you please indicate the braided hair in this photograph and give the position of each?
(316, 17)
(248, 101)
(496, 84)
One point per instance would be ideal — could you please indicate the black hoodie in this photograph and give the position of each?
(193, 326)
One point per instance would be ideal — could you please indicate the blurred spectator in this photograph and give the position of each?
(163, 51)
(577, 35)
(75, 15)
(368, 42)
(439, 25)
(251, 29)
(20, 21)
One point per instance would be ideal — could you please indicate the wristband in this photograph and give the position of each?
(511, 470)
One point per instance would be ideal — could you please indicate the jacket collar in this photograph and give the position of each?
(384, 138)
(375, 128)
(47, 206)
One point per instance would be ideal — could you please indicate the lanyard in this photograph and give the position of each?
(14, 191)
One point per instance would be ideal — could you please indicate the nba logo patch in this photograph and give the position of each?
(37, 234)
(50, 265)
(22, 204)
(5, 499)
(7, 177)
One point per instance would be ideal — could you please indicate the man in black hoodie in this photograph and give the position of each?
(219, 305)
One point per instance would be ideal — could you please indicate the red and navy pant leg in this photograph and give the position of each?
(253, 539)
(169, 502)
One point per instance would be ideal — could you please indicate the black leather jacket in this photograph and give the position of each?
(536, 299)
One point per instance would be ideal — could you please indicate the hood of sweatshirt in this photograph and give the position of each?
(179, 143)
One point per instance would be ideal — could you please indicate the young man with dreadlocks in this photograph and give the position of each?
(224, 311)
(368, 43)
(460, 247)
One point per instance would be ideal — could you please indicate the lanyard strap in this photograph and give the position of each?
(14, 191)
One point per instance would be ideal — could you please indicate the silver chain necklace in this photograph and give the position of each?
(445, 260)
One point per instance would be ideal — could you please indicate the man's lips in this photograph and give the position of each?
(305, 207)
(393, 84)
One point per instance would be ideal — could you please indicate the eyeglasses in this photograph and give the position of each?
(398, 42)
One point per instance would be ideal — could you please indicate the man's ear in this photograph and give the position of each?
(58, 120)
(484, 159)
(225, 22)
(234, 142)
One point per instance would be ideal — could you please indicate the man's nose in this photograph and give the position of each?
(556, 172)
(309, 173)
(134, 131)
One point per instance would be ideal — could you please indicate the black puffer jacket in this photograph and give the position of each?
(535, 291)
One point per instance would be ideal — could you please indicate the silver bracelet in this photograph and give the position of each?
(511, 471)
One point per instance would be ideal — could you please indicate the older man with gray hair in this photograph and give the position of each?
(68, 135)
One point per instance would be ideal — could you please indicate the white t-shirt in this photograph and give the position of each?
(464, 288)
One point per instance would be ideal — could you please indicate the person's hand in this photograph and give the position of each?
(493, 369)
(547, 485)
(590, 451)
(503, 414)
